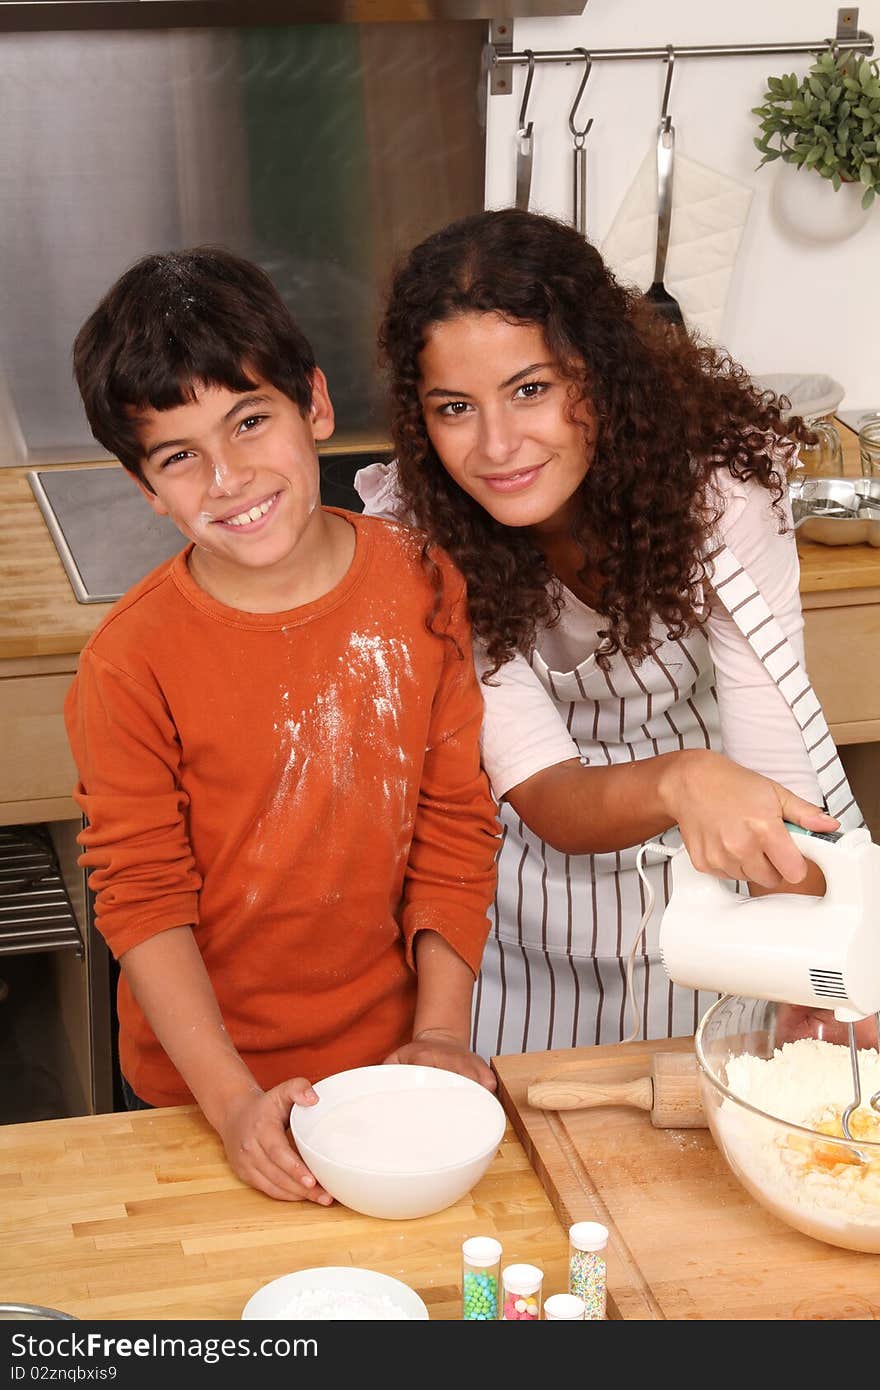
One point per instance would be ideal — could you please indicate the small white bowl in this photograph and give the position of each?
(271, 1300)
(398, 1141)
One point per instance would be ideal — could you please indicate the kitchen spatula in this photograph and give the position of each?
(525, 143)
(657, 293)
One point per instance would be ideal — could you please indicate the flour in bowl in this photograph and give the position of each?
(820, 1187)
(802, 1078)
(407, 1131)
(336, 1305)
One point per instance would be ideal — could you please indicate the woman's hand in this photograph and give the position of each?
(435, 1047)
(795, 1021)
(731, 821)
(256, 1136)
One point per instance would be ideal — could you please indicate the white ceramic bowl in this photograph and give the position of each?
(278, 1299)
(398, 1141)
(811, 394)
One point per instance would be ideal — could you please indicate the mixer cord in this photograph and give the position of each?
(662, 852)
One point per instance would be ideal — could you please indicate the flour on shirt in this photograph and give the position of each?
(330, 730)
(383, 660)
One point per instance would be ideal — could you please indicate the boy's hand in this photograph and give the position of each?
(435, 1047)
(256, 1136)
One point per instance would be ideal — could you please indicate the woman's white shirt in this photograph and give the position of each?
(524, 729)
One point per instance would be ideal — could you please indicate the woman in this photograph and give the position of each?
(615, 496)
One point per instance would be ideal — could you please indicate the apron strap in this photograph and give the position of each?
(754, 618)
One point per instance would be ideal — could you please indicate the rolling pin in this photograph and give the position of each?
(670, 1094)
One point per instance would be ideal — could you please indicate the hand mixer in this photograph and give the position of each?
(819, 952)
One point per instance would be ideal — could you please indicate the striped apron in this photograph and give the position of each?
(553, 973)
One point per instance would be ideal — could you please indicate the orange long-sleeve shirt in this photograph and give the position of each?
(303, 788)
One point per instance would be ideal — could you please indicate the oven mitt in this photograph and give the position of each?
(709, 212)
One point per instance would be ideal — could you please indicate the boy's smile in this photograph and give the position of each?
(237, 472)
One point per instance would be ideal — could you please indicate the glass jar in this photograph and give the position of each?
(521, 1286)
(480, 1259)
(869, 448)
(587, 1241)
(824, 459)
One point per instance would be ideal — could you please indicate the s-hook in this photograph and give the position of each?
(665, 118)
(657, 293)
(579, 184)
(524, 142)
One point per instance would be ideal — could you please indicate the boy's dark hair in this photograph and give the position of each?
(174, 321)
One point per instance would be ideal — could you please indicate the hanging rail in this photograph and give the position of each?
(849, 37)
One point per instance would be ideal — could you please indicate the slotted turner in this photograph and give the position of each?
(657, 293)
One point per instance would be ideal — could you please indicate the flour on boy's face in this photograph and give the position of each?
(237, 471)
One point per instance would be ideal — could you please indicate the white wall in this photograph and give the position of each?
(793, 306)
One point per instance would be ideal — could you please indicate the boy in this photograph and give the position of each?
(289, 835)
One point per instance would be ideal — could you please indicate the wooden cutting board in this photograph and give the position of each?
(686, 1240)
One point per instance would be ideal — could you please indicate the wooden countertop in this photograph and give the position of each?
(139, 1216)
(39, 615)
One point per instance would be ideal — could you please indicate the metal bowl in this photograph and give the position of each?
(32, 1312)
(836, 511)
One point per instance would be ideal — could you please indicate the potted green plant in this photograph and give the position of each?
(828, 122)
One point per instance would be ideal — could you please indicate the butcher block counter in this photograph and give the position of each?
(139, 1216)
(686, 1241)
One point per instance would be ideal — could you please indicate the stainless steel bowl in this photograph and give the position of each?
(836, 511)
(32, 1312)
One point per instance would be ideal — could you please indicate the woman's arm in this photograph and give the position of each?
(758, 729)
(730, 818)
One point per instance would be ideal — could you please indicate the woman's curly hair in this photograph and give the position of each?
(669, 412)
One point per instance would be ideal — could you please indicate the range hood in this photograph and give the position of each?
(43, 15)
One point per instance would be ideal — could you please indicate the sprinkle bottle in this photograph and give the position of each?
(480, 1259)
(586, 1266)
(521, 1287)
(564, 1307)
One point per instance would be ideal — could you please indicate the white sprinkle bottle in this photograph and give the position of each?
(521, 1286)
(587, 1241)
(564, 1307)
(480, 1259)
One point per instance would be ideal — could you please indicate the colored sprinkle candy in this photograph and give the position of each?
(520, 1308)
(586, 1278)
(480, 1296)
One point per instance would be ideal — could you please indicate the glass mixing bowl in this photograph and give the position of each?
(825, 1186)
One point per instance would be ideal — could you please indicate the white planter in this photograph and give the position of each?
(808, 208)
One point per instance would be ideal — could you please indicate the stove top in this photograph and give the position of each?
(104, 531)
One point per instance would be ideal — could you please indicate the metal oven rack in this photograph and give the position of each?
(35, 911)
